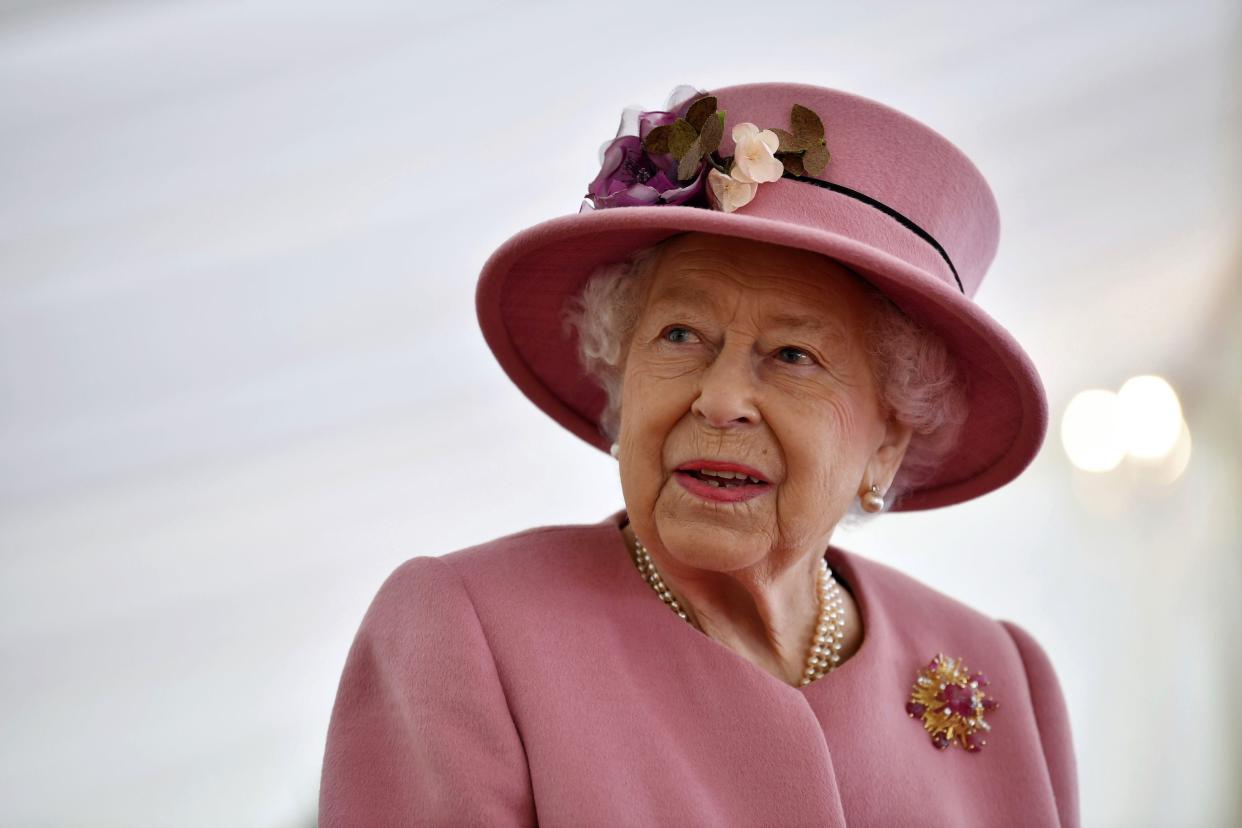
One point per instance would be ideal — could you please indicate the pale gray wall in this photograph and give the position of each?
(241, 377)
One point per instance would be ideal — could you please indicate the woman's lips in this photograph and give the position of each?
(721, 466)
(726, 492)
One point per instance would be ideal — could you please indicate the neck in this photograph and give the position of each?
(765, 613)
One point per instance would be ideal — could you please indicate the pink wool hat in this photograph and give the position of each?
(857, 181)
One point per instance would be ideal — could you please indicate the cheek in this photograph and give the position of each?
(652, 404)
(825, 444)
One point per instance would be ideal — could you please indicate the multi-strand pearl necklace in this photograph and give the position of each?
(826, 643)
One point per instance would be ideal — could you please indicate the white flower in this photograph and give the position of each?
(727, 193)
(753, 159)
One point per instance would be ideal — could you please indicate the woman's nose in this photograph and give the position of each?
(727, 390)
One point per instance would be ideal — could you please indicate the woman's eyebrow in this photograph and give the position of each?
(802, 322)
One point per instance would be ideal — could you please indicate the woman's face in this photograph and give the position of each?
(752, 354)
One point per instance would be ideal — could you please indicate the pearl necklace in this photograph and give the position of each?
(826, 643)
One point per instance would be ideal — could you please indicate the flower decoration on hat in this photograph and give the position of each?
(672, 157)
(951, 703)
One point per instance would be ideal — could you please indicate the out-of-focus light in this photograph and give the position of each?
(1165, 470)
(1176, 461)
(1091, 430)
(1151, 416)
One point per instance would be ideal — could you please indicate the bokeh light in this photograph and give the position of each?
(1091, 430)
(1170, 467)
(1151, 416)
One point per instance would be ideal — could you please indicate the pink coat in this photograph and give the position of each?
(538, 678)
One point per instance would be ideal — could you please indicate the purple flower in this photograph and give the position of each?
(629, 176)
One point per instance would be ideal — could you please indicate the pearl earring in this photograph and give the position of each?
(872, 500)
(615, 450)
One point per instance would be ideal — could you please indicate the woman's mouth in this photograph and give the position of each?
(719, 486)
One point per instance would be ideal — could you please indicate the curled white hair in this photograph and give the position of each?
(605, 312)
(915, 375)
(918, 383)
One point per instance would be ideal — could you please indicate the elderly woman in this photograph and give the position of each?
(770, 325)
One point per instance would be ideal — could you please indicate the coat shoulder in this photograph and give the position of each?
(523, 570)
(533, 552)
(910, 600)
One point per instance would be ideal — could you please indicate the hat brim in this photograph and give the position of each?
(525, 282)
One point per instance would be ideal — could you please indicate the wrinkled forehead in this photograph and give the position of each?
(793, 288)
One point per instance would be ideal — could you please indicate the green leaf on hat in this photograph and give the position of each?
(656, 142)
(815, 158)
(711, 132)
(793, 164)
(689, 164)
(788, 142)
(681, 136)
(808, 129)
(699, 110)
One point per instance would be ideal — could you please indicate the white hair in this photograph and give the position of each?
(915, 374)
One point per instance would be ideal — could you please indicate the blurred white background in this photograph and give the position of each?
(241, 377)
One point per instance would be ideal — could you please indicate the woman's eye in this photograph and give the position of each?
(678, 333)
(799, 356)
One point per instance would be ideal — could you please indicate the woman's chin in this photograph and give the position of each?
(708, 550)
(719, 537)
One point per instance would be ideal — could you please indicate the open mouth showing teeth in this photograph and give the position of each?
(723, 479)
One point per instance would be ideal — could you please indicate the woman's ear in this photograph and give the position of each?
(886, 459)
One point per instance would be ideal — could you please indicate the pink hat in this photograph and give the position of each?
(858, 181)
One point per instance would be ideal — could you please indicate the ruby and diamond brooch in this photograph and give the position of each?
(951, 702)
